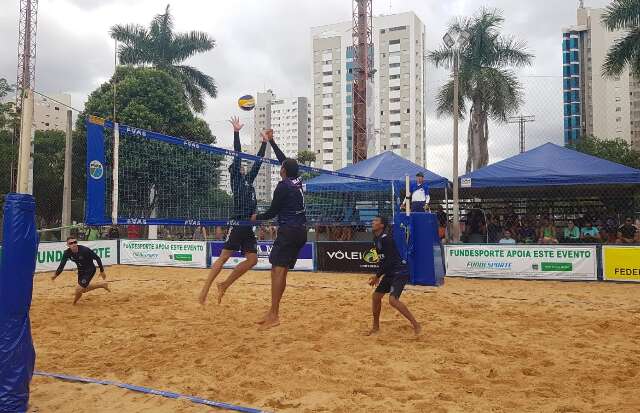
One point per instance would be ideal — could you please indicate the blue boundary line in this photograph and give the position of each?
(147, 390)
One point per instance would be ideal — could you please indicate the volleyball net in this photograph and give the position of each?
(136, 176)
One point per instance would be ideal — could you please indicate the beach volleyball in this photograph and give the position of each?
(247, 102)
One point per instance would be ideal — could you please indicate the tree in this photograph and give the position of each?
(8, 150)
(154, 174)
(487, 79)
(615, 150)
(7, 110)
(623, 15)
(306, 157)
(160, 47)
(48, 173)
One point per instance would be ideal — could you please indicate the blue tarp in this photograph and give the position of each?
(550, 165)
(387, 166)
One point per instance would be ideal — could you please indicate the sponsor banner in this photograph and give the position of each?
(535, 262)
(50, 254)
(621, 263)
(347, 257)
(164, 253)
(304, 263)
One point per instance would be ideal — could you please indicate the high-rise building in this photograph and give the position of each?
(290, 120)
(261, 121)
(398, 89)
(49, 114)
(595, 105)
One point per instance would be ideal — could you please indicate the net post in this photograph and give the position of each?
(116, 154)
(407, 188)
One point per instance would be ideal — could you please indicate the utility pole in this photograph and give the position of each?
(24, 93)
(522, 120)
(66, 191)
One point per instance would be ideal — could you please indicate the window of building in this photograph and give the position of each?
(327, 117)
(395, 41)
(394, 123)
(327, 95)
(326, 107)
(327, 128)
(395, 135)
(329, 73)
(392, 65)
(394, 100)
(394, 112)
(393, 88)
(405, 146)
(328, 151)
(618, 109)
(327, 84)
(394, 77)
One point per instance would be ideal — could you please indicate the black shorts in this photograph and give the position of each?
(287, 246)
(241, 238)
(393, 284)
(85, 277)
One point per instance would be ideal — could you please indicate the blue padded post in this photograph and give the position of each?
(17, 266)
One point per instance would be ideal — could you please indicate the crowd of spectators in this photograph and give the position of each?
(510, 228)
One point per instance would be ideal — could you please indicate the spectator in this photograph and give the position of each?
(442, 223)
(92, 234)
(547, 233)
(627, 233)
(134, 231)
(609, 231)
(493, 229)
(571, 233)
(527, 232)
(476, 227)
(506, 239)
(589, 233)
(200, 234)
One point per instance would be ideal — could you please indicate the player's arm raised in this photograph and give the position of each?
(276, 150)
(253, 173)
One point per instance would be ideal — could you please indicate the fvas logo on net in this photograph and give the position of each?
(96, 170)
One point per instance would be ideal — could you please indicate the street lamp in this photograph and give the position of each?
(455, 40)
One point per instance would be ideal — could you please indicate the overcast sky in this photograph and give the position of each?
(266, 44)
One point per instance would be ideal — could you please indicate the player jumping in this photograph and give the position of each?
(396, 276)
(288, 206)
(240, 237)
(83, 257)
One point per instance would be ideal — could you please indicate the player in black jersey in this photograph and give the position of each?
(288, 206)
(396, 276)
(83, 257)
(240, 237)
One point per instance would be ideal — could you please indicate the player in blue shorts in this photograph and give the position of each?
(83, 257)
(240, 237)
(395, 275)
(288, 206)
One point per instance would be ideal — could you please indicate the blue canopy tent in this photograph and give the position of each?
(362, 199)
(387, 167)
(556, 181)
(550, 165)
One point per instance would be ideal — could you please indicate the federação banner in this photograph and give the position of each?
(304, 263)
(621, 263)
(542, 262)
(50, 254)
(164, 253)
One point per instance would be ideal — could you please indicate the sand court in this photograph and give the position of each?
(487, 345)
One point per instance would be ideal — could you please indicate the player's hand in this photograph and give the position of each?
(266, 135)
(373, 281)
(235, 122)
(103, 275)
(254, 217)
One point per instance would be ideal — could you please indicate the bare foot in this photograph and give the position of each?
(263, 319)
(106, 287)
(270, 322)
(202, 298)
(373, 332)
(221, 290)
(76, 298)
(417, 329)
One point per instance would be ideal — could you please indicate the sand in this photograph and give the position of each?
(487, 346)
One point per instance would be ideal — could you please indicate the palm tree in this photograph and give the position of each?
(306, 157)
(160, 47)
(487, 80)
(623, 15)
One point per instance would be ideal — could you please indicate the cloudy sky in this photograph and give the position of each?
(266, 44)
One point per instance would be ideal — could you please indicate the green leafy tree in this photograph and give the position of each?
(154, 176)
(306, 157)
(615, 150)
(48, 173)
(487, 79)
(623, 15)
(160, 47)
(8, 150)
